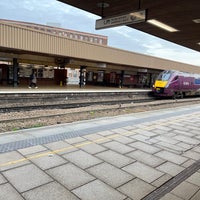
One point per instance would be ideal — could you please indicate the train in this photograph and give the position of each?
(176, 84)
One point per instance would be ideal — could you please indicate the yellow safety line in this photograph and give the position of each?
(163, 123)
(59, 150)
(81, 144)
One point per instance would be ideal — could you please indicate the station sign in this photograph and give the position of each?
(119, 20)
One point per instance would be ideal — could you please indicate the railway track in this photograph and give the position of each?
(39, 106)
(19, 118)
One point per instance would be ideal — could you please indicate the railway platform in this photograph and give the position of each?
(149, 155)
(66, 89)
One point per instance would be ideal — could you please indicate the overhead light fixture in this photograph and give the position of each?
(198, 43)
(161, 25)
(196, 21)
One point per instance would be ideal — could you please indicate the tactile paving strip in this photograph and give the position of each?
(6, 147)
(56, 137)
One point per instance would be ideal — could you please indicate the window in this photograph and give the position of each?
(95, 40)
(91, 39)
(164, 76)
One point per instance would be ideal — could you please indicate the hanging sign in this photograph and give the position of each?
(125, 19)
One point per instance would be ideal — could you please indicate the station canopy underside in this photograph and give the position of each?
(182, 15)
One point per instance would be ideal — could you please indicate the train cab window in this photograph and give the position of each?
(164, 76)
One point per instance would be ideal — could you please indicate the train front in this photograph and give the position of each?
(161, 85)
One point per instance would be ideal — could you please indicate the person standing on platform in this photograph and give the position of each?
(33, 80)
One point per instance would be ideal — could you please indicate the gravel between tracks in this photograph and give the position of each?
(75, 114)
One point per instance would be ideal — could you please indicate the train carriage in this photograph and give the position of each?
(175, 84)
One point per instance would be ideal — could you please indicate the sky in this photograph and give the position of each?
(123, 37)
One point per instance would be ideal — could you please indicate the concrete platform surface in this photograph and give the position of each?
(149, 155)
(66, 89)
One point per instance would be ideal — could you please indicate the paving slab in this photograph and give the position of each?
(106, 133)
(82, 159)
(185, 146)
(195, 132)
(178, 127)
(70, 176)
(99, 191)
(192, 154)
(47, 161)
(11, 156)
(172, 157)
(196, 196)
(188, 163)
(161, 180)
(197, 149)
(170, 197)
(99, 139)
(26, 177)
(185, 190)
(136, 189)
(171, 147)
(145, 147)
(61, 145)
(7, 192)
(146, 158)
(187, 140)
(170, 168)
(145, 133)
(142, 138)
(118, 147)
(123, 140)
(32, 150)
(143, 172)
(167, 139)
(159, 131)
(75, 140)
(93, 148)
(194, 179)
(50, 191)
(114, 177)
(115, 158)
(164, 128)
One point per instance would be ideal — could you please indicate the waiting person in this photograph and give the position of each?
(33, 80)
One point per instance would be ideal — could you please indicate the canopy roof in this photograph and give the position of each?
(182, 15)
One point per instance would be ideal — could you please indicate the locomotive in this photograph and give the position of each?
(171, 83)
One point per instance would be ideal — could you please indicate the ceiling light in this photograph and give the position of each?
(196, 21)
(198, 43)
(162, 25)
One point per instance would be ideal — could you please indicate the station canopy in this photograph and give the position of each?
(177, 21)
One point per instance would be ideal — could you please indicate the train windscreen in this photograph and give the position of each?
(164, 76)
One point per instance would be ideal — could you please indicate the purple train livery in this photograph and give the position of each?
(176, 84)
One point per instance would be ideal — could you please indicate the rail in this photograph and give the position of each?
(21, 118)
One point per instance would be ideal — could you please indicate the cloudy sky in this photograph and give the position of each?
(45, 11)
